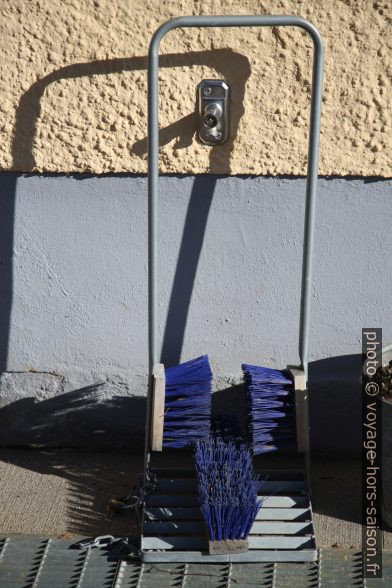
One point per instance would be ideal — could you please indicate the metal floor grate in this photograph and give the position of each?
(29, 562)
(173, 529)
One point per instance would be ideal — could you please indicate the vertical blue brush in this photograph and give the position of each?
(271, 409)
(228, 488)
(187, 403)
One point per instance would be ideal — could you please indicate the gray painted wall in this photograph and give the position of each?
(73, 343)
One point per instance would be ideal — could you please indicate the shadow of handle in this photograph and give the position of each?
(183, 130)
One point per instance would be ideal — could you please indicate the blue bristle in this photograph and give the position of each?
(265, 375)
(187, 403)
(271, 408)
(228, 488)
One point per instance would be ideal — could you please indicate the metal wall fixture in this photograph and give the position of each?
(213, 111)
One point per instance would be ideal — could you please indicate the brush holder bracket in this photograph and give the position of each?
(213, 111)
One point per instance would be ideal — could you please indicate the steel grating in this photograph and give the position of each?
(173, 529)
(30, 562)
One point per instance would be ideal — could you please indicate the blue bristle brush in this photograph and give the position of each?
(187, 403)
(271, 408)
(228, 488)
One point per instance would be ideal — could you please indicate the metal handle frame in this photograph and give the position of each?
(153, 171)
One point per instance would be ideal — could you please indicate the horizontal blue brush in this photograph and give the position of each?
(271, 409)
(228, 488)
(187, 403)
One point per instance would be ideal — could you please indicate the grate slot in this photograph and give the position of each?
(168, 473)
(186, 528)
(255, 542)
(252, 556)
(181, 500)
(190, 486)
(193, 514)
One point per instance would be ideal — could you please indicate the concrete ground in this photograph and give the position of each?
(64, 493)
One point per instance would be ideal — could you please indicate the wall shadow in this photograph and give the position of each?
(230, 401)
(81, 418)
(231, 65)
(92, 479)
(186, 269)
(335, 404)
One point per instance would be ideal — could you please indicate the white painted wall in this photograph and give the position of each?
(74, 286)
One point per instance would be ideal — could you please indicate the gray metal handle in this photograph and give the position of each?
(153, 163)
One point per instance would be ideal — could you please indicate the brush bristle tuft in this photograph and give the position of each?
(228, 488)
(187, 403)
(271, 409)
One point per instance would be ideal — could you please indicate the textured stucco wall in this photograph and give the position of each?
(73, 308)
(73, 86)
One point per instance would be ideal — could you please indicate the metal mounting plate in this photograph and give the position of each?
(213, 111)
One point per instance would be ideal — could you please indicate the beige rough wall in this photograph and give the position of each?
(73, 86)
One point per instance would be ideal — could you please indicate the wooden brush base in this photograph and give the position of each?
(228, 546)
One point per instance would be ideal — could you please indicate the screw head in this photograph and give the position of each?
(210, 121)
(207, 90)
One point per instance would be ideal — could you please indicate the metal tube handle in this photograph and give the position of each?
(153, 164)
